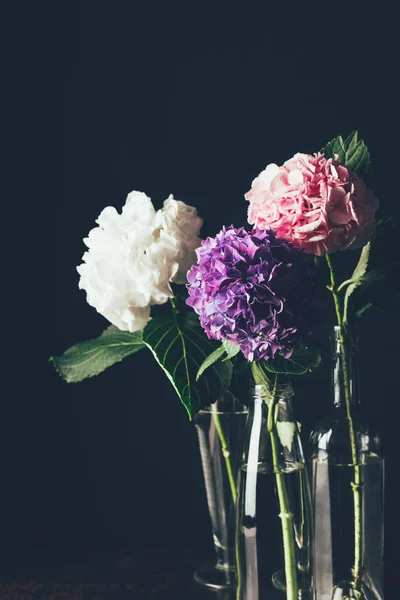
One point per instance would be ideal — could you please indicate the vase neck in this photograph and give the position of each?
(279, 396)
(282, 392)
(272, 435)
(345, 366)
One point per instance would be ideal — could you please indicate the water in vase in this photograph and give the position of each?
(261, 574)
(334, 528)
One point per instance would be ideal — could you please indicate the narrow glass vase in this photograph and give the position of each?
(274, 505)
(348, 488)
(220, 431)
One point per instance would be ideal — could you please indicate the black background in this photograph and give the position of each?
(97, 99)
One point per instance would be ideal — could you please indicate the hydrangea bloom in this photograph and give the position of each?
(315, 203)
(254, 290)
(183, 224)
(133, 257)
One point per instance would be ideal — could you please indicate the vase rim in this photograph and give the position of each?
(207, 410)
(354, 328)
(349, 332)
(259, 392)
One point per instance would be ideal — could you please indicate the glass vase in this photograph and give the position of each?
(274, 505)
(220, 433)
(348, 488)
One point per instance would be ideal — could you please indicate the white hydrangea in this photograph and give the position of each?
(183, 224)
(132, 257)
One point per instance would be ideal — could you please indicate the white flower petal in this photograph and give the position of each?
(183, 224)
(132, 257)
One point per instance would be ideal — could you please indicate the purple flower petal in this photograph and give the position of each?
(254, 290)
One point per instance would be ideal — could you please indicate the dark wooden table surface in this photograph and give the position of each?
(105, 575)
(129, 574)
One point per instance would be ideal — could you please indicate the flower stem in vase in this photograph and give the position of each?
(356, 485)
(285, 515)
(225, 452)
(232, 481)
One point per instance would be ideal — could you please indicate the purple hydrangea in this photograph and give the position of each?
(254, 290)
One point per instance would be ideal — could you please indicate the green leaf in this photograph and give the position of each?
(241, 381)
(259, 375)
(384, 299)
(358, 272)
(352, 152)
(227, 347)
(384, 243)
(286, 431)
(362, 310)
(333, 148)
(300, 362)
(90, 358)
(190, 320)
(210, 360)
(387, 300)
(231, 349)
(351, 144)
(180, 349)
(381, 288)
(377, 275)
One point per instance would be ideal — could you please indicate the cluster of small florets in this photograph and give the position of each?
(253, 289)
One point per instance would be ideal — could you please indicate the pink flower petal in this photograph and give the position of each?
(314, 203)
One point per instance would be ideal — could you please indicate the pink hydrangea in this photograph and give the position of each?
(315, 203)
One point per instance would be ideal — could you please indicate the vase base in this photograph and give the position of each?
(215, 577)
(345, 591)
(279, 580)
(279, 583)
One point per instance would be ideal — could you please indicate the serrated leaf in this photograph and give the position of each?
(384, 243)
(383, 288)
(376, 275)
(259, 375)
(318, 260)
(241, 381)
(89, 358)
(190, 320)
(371, 278)
(387, 300)
(180, 350)
(360, 163)
(351, 144)
(384, 299)
(356, 157)
(333, 148)
(231, 349)
(300, 362)
(358, 272)
(352, 152)
(286, 431)
(210, 360)
(362, 310)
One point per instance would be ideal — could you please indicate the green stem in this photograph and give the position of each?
(224, 446)
(285, 515)
(356, 484)
(238, 567)
(218, 426)
(231, 478)
(301, 536)
(225, 452)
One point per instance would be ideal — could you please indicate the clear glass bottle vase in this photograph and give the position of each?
(220, 431)
(274, 505)
(347, 488)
